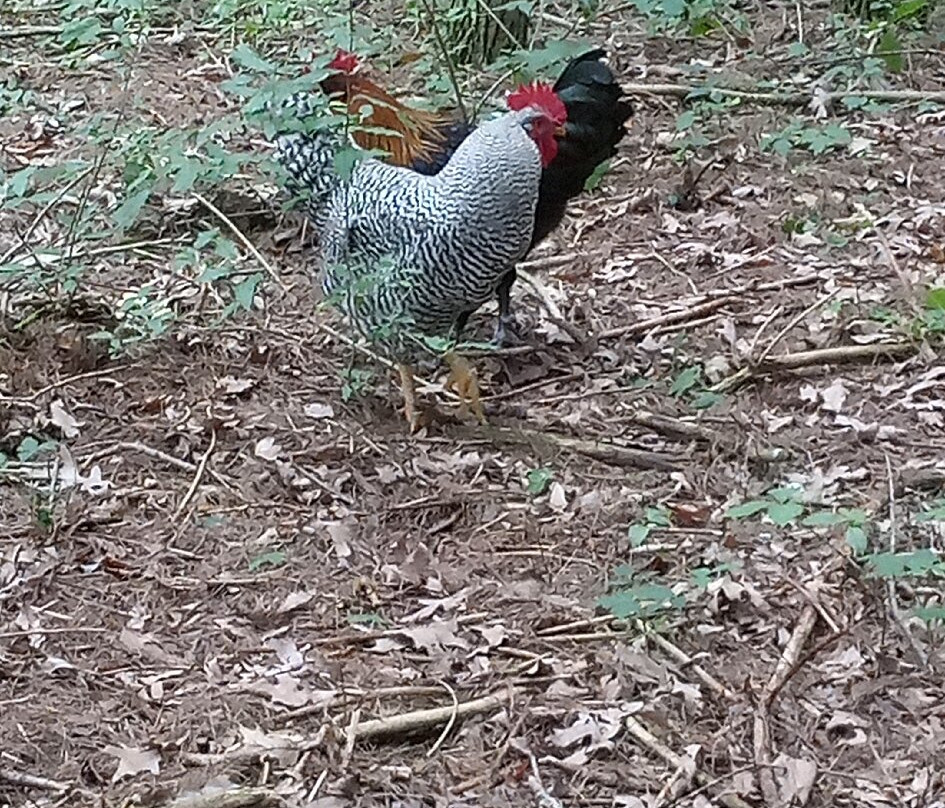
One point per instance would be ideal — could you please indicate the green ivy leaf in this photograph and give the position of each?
(686, 380)
(890, 49)
(856, 539)
(823, 519)
(783, 513)
(658, 516)
(274, 558)
(786, 493)
(684, 121)
(620, 604)
(749, 508)
(592, 183)
(638, 534)
(244, 291)
(127, 212)
(935, 299)
(896, 565)
(538, 481)
(930, 614)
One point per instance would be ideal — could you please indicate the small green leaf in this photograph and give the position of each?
(823, 519)
(684, 121)
(592, 183)
(127, 212)
(798, 49)
(244, 291)
(930, 614)
(706, 399)
(372, 619)
(620, 604)
(673, 8)
(538, 481)
(890, 49)
(908, 8)
(658, 516)
(786, 493)
(686, 380)
(28, 449)
(936, 513)
(856, 539)
(246, 57)
(783, 513)
(749, 508)
(854, 101)
(896, 565)
(935, 298)
(274, 558)
(638, 534)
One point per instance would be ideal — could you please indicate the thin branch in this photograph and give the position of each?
(605, 451)
(785, 99)
(450, 67)
(25, 780)
(198, 476)
(406, 723)
(787, 666)
(251, 248)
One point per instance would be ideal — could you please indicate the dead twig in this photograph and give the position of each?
(26, 780)
(649, 741)
(551, 308)
(605, 451)
(821, 356)
(449, 724)
(545, 800)
(787, 666)
(198, 476)
(406, 723)
(233, 798)
(687, 661)
(241, 237)
(794, 321)
(692, 313)
(784, 99)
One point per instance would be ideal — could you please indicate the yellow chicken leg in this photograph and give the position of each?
(409, 388)
(462, 379)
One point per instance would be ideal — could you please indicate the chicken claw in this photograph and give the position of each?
(462, 380)
(409, 388)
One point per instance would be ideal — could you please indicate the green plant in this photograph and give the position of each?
(638, 594)
(815, 139)
(538, 481)
(653, 517)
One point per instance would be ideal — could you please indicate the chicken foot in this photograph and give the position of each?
(462, 380)
(409, 388)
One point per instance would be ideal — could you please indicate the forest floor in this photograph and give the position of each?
(694, 559)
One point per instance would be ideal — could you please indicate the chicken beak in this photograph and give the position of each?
(560, 131)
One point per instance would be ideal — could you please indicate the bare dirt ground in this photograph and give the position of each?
(238, 573)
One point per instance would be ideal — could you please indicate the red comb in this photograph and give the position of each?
(541, 95)
(344, 62)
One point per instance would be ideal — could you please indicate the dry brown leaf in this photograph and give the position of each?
(267, 449)
(295, 600)
(285, 690)
(797, 779)
(62, 419)
(132, 761)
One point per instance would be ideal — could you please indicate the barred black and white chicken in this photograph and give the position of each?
(408, 256)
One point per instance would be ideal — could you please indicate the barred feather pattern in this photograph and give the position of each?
(407, 254)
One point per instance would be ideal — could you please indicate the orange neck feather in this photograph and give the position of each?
(418, 132)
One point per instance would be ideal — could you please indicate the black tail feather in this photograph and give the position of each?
(597, 111)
